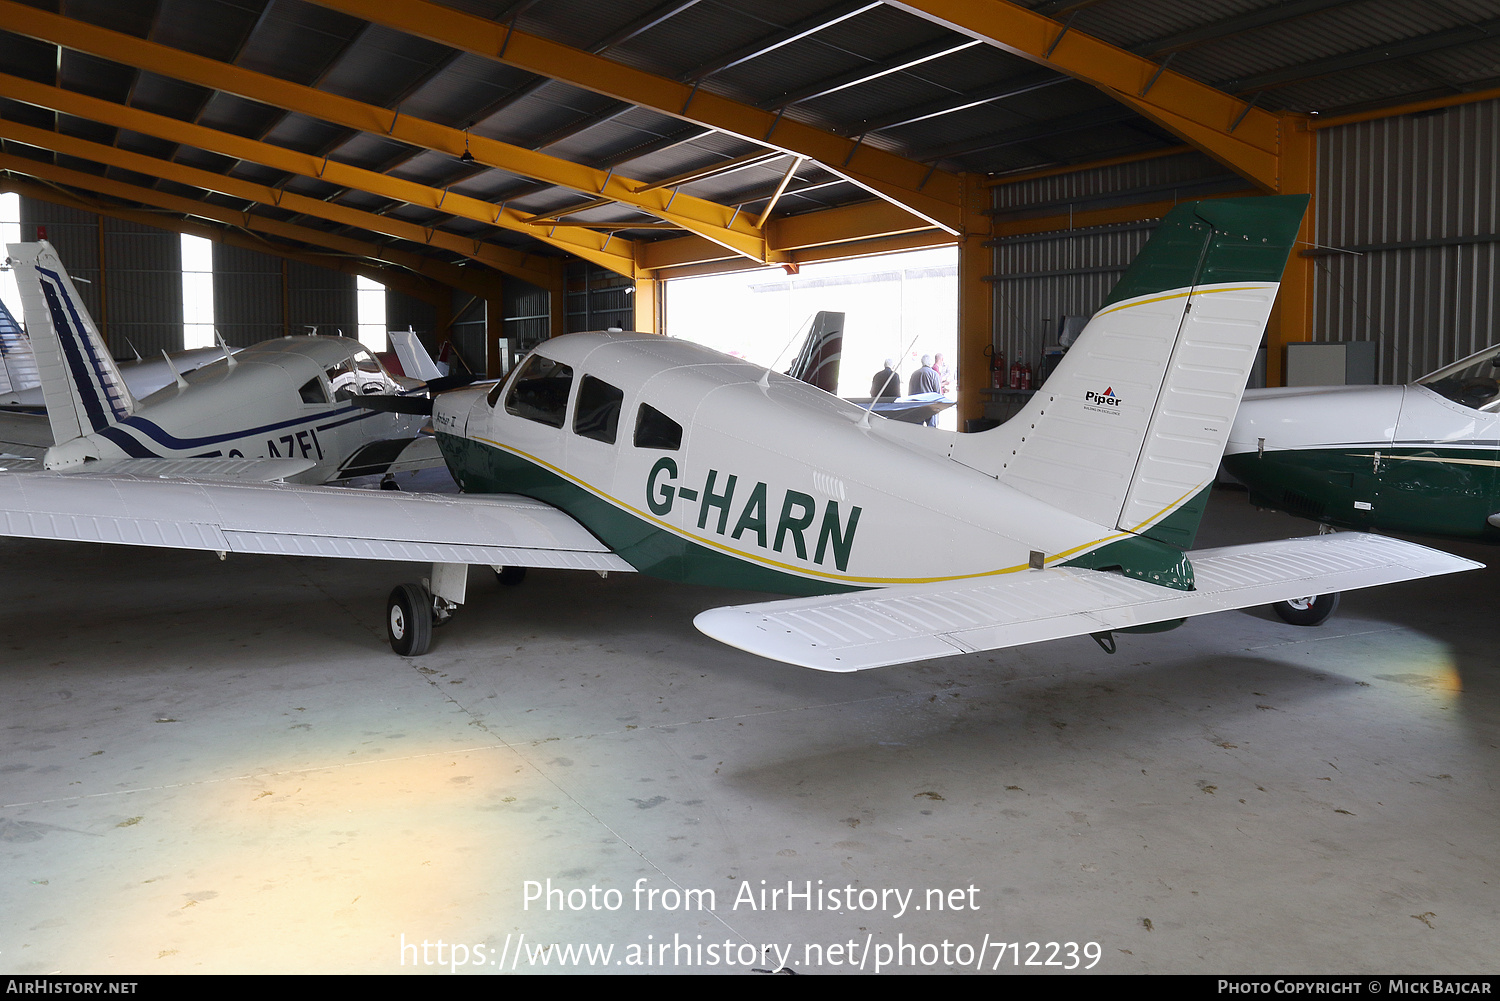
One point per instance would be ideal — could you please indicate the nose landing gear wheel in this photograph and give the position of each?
(1310, 611)
(408, 620)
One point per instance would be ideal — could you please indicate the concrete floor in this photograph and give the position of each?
(216, 767)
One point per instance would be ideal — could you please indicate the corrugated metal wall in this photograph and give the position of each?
(1042, 278)
(75, 236)
(142, 288)
(1182, 177)
(402, 311)
(597, 299)
(247, 296)
(322, 298)
(527, 318)
(1430, 180)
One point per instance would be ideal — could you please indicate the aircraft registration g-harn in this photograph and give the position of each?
(619, 452)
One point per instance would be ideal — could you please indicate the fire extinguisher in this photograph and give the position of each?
(997, 367)
(1025, 376)
(1015, 374)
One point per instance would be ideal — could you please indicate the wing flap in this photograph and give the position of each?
(866, 629)
(282, 519)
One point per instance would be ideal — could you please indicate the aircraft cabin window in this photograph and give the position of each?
(312, 391)
(654, 429)
(540, 391)
(597, 415)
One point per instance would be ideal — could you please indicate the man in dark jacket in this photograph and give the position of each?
(887, 382)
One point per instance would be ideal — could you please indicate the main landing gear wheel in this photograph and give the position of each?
(510, 576)
(1310, 611)
(408, 620)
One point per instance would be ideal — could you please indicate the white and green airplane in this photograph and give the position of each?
(885, 542)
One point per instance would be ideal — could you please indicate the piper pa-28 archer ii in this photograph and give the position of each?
(1422, 459)
(283, 409)
(620, 452)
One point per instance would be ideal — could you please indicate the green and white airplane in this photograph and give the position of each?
(634, 452)
(1421, 459)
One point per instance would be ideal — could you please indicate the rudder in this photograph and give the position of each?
(81, 386)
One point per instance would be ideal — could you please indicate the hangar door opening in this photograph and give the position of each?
(899, 306)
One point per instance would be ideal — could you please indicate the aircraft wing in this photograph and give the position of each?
(291, 520)
(897, 625)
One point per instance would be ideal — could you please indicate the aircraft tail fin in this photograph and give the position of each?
(81, 386)
(817, 363)
(416, 362)
(1129, 429)
(17, 359)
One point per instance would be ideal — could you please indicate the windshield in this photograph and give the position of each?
(1470, 381)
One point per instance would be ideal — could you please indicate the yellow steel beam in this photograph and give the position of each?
(1409, 108)
(931, 194)
(521, 265)
(1101, 217)
(1244, 138)
(707, 219)
(428, 290)
(864, 221)
(976, 303)
(924, 240)
(475, 280)
(500, 258)
(646, 306)
(1073, 168)
(1292, 317)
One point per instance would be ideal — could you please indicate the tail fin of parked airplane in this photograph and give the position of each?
(415, 360)
(17, 360)
(82, 387)
(817, 363)
(1129, 429)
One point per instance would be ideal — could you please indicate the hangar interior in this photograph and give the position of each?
(218, 767)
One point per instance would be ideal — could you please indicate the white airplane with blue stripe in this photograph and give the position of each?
(882, 542)
(281, 409)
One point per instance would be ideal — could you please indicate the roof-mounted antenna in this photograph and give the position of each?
(765, 379)
(181, 382)
(228, 354)
(133, 349)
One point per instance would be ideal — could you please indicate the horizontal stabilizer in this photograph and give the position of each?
(898, 625)
(25, 434)
(288, 520)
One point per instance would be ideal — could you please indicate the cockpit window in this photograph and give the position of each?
(540, 391)
(654, 429)
(1469, 382)
(597, 415)
(312, 391)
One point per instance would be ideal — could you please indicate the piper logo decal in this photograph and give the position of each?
(1106, 401)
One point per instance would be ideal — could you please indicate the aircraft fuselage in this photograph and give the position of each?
(289, 398)
(1386, 458)
(682, 462)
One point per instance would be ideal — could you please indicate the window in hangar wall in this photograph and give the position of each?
(371, 305)
(10, 232)
(197, 292)
(898, 306)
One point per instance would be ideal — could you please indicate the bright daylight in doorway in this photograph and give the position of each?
(900, 306)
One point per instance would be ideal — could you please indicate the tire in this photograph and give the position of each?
(1310, 611)
(510, 576)
(408, 620)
